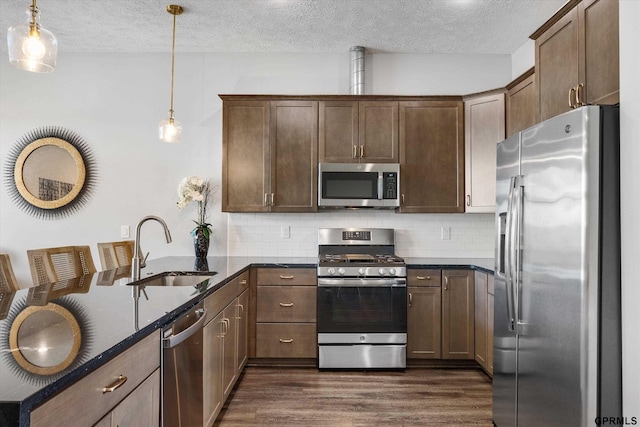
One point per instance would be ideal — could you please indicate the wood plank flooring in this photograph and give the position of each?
(304, 397)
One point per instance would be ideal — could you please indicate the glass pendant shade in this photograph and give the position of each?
(31, 47)
(170, 130)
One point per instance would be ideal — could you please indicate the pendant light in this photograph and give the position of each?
(170, 129)
(32, 47)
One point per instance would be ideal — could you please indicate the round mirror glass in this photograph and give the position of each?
(49, 173)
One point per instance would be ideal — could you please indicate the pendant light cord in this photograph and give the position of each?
(173, 48)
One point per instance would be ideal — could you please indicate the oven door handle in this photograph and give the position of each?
(358, 282)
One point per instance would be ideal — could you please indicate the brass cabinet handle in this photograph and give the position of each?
(355, 148)
(579, 99)
(282, 276)
(115, 385)
(423, 277)
(273, 195)
(468, 199)
(402, 199)
(410, 298)
(446, 282)
(572, 103)
(243, 282)
(286, 304)
(225, 326)
(286, 340)
(266, 199)
(240, 311)
(362, 151)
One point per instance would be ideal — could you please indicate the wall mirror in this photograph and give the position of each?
(50, 172)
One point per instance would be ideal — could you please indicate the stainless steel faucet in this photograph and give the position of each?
(137, 262)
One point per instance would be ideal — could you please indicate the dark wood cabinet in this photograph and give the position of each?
(424, 311)
(521, 103)
(577, 59)
(481, 318)
(358, 131)
(269, 156)
(431, 156)
(458, 314)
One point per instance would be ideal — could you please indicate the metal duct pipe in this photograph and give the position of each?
(357, 70)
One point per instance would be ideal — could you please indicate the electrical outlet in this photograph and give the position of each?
(285, 232)
(445, 233)
(124, 231)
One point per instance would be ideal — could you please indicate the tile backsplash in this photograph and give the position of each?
(417, 235)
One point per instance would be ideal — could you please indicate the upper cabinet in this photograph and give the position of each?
(521, 103)
(269, 155)
(483, 130)
(358, 131)
(577, 58)
(431, 156)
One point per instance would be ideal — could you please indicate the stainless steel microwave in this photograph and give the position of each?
(359, 185)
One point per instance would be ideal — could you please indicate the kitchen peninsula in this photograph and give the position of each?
(106, 313)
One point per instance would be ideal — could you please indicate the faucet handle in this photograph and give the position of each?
(143, 261)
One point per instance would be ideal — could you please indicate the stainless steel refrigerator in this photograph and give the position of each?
(557, 332)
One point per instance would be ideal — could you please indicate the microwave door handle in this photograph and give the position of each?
(380, 186)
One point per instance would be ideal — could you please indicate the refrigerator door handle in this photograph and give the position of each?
(517, 249)
(509, 243)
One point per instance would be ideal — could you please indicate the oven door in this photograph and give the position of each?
(362, 306)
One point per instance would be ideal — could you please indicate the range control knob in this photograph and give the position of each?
(392, 271)
(382, 271)
(331, 271)
(341, 271)
(362, 271)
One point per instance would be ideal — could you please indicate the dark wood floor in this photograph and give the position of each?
(307, 397)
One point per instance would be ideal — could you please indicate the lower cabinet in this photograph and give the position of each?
(125, 391)
(484, 320)
(285, 300)
(440, 314)
(141, 408)
(225, 344)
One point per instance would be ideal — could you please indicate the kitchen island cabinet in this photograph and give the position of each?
(431, 156)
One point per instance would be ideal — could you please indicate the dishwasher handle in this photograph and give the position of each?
(173, 340)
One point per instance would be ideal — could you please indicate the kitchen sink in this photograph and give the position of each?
(175, 278)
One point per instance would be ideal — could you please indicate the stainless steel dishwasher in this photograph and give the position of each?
(182, 369)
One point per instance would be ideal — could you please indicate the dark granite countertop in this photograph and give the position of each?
(104, 307)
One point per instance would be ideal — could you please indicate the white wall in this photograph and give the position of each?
(523, 58)
(115, 102)
(630, 177)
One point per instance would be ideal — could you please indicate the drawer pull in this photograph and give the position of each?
(423, 277)
(243, 282)
(115, 385)
(282, 276)
(286, 340)
(286, 304)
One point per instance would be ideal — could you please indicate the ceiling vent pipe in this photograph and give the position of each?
(357, 70)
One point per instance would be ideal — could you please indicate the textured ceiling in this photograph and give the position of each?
(300, 26)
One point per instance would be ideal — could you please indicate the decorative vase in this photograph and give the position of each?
(200, 243)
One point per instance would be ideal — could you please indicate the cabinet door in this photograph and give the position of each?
(378, 132)
(522, 104)
(423, 322)
(490, 326)
(294, 156)
(242, 331)
(142, 407)
(229, 348)
(557, 65)
(432, 156)
(212, 369)
(338, 137)
(484, 129)
(457, 314)
(599, 54)
(245, 156)
(481, 317)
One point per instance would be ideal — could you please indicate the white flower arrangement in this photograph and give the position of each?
(196, 189)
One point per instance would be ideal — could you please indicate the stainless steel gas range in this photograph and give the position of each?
(362, 300)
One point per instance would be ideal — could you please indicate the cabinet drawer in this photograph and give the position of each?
(243, 282)
(286, 304)
(286, 276)
(286, 340)
(221, 298)
(424, 277)
(84, 403)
